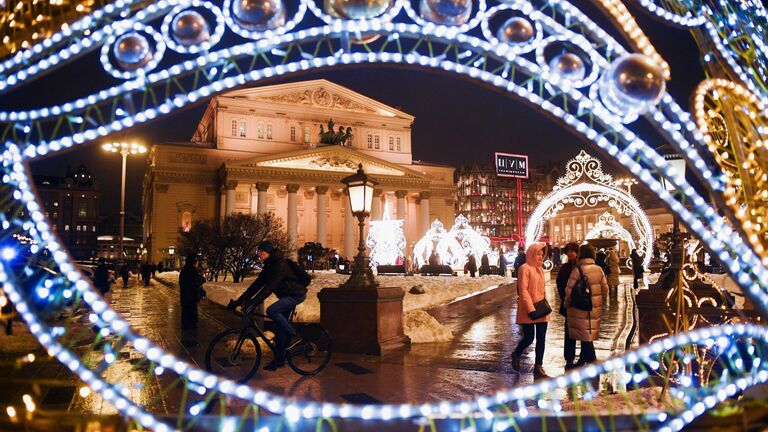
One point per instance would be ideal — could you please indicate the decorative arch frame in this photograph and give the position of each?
(608, 223)
(311, 38)
(585, 184)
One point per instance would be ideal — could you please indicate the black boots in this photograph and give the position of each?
(539, 373)
(516, 362)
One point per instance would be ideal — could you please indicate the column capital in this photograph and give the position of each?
(321, 190)
(425, 195)
(377, 192)
(401, 193)
(292, 188)
(230, 184)
(262, 186)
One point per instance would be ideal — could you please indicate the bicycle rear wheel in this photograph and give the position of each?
(313, 353)
(234, 355)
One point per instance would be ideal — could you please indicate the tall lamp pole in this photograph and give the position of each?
(360, 188)
(125, 149)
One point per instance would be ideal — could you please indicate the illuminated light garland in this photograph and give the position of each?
(694, 12)
(585, 184)
(215, 37)
(607, 223)
(156, 53)
(630, 150)
(740, 150)
(621, 14)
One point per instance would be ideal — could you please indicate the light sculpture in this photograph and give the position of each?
(584, 184)
(448, 248)
(310, 37)
(386, 240)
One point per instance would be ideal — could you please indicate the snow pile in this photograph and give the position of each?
(438, 290)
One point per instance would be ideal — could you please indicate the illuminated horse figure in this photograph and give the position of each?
(549, 54)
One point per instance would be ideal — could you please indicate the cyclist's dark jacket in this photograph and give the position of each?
(276, 277)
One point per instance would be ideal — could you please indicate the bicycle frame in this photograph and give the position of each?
(250, 322)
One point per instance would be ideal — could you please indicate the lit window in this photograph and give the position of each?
(293, 133)
(66, 227)
(306, 134)
(82, 211)
(55, 203)
(234, 128)
(260, 131)
(376, 140)
(54, 227)
(78, 227)
(94, 228)
(391, 144)
(47, 215)
(242, 128)
(398, 143)
(269, 131)
(55, 215)
(186, 221)
(370, 141)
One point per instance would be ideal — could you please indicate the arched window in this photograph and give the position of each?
(242, 128)
(376, 140)
(186, 221)
(293, 133)
(398, 143)
(260, 131)
(370, 141)
(391, 143)
(233, 126)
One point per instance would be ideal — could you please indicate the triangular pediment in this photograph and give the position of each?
(321, 94)
(332, 158)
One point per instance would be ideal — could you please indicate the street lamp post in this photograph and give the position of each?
(362, 316)
(125, 149)
(360, 188)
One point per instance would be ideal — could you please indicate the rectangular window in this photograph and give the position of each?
(398, 143)
(54, 227)
(391, 144)
(55, 203)
(66, 227)
(234, 128)
(269, 131)
(242, 128)
(376, 140)
(82, 210)
(94, 228)
(293, 133)
(55, 215)
(47, 215)
(260, 131)
(370, 141)
(306, 134)
(78, 227)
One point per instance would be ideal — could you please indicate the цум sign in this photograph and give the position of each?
(511, 165)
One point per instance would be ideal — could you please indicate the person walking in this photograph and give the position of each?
(584, 325)
(519, 260)
(279, 278)
(502, 264)
(530, 287)
(612, 262)
(101, 279)
(637, 267)
(190, 291)
(571, 251)
(471, 265)
(146, 272)
(485, 264)
(125, 274)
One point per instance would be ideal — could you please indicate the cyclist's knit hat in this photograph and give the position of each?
(267, 247)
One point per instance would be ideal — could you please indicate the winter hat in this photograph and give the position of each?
(267, 247)
(572, 247)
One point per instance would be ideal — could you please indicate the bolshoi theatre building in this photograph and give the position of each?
(258, 150)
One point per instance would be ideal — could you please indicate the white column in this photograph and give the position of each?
(322, 228)
(424, 206)
(293, 215)
(376, 205)
(230, 197)
(349, 230)
(254, 201)
(262, 199)
(401, 214)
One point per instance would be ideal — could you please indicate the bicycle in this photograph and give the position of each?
(236, 353)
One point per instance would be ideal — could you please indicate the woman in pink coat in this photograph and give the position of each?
(530, 287)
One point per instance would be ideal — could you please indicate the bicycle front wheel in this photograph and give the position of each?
(313, 353)
(234, 354)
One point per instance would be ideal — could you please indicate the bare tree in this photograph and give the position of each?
(203, 239)
(243, 233)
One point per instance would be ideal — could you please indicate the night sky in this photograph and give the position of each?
(458, 121)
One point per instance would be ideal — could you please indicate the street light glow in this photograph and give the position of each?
(124, 147)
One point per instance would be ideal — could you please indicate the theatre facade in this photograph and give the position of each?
(258, 150)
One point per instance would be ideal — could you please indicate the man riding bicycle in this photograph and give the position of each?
(276, 277)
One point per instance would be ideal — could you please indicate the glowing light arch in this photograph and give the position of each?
(585, 184)
(456, 48)
(607, 223)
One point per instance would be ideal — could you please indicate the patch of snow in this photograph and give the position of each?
(422, 327)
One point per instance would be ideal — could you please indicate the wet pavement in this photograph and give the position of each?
(475, 362)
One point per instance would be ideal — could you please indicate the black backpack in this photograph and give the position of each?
(581, 293)
(301, 275)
